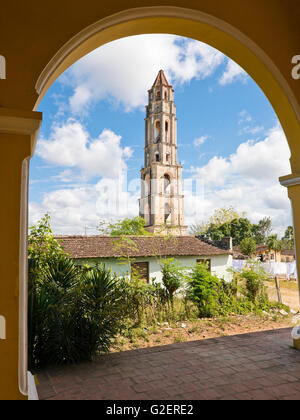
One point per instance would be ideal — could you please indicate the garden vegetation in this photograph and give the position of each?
(76, 312)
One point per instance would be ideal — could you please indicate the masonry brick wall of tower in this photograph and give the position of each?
(162, 202)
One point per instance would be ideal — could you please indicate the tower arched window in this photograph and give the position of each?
(147, 214)
(167, 131)
(146, 185)
(166, 95)
(158, 94)
(167, 213)
(157, 132)
(167, 184)
(157, 157)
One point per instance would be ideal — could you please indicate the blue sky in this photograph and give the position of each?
(90, 149)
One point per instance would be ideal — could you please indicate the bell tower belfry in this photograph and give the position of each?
(162, 202)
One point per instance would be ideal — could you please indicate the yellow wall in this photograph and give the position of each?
(261, 35)
(14, 148)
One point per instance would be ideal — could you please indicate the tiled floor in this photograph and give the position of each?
(253, 366)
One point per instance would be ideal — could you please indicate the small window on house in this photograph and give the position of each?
(140, 270)
(206, 262)
(168, 157)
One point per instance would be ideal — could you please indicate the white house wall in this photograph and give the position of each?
(219, 265)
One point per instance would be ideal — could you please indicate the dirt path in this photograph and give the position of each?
(289, 294)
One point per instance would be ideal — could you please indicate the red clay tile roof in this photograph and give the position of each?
(290, 252)
(137, 246)
(237, 253)
(161, 79)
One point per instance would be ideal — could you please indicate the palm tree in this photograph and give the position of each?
(273, 243)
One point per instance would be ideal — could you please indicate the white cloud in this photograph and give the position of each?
(78, 210)
(200, 140)
(245, 117)
(233, 73)
(123, 70)
(247, 123)
(247, 180)
(251, 130)
(70, 146)
(79, 206)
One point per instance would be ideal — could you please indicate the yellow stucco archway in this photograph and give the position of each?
(234, 30)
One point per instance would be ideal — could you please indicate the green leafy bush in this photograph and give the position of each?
(248, 246)
(172, 278)
(254, 276)
(203, 291)
(215, 297)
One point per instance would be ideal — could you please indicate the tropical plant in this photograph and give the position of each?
(98, 303)
(73, 314)
(273, 243)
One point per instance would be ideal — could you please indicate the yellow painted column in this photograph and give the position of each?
(18, 132)
(292, 182)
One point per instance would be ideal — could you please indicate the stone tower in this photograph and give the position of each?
(162, 202)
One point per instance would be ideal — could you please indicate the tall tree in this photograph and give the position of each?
(262, 230)
(288, 238)
(124, 227)
(248, 246)
(42, 246)
(225, 215)
(220, 217)
(238, 229)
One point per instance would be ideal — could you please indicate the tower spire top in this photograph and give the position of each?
(161, 80)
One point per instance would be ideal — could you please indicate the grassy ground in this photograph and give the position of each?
(201, 329)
